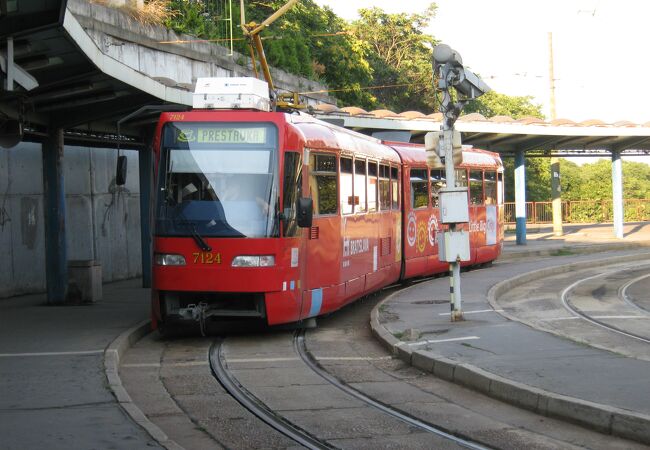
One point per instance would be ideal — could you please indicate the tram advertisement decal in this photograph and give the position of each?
(433, 230)
(411, 229)
(487, 225)
(419, 233)
(491, 225)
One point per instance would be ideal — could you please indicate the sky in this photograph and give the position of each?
(599, 65)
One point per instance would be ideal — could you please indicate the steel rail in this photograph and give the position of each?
(571, 308)
(308, 358)
(626, 298)
(256, 406)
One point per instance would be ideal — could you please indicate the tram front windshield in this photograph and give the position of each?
(218, 180)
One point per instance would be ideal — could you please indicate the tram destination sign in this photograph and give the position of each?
(221, 135)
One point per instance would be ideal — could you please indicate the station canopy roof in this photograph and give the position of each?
(81, 89)
(501, 133)
(78, 87)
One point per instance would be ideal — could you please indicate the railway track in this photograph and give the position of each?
(220, 369)
(629, 308)
(312, 363)
(623, 293)
(249, 401)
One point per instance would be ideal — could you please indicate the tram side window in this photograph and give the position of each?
(384, 187)
(476, 187)
(360, 185)
(372, 186)
(322, 183)
(438, 182)
(461, 177)
(348, 200)
(419, 188)
(292, 183)
(394, 180)
(490, 181)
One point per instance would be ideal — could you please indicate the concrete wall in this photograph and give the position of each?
(140, 47)
(102, 220)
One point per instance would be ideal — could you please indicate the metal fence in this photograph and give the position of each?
(581, 211)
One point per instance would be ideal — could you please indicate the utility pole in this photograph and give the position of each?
(556, 188)
(445, 145)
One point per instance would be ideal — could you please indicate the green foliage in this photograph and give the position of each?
(400, 54)
(495, 104)
(193, 18)
(588, 187)
(538, 179)
(379, 61)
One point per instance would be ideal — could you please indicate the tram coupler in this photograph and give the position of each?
(193, 311)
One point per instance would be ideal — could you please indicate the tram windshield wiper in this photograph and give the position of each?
(189, 224)
(198, 238)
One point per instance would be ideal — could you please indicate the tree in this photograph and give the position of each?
(494, 104)
(400, 54)
(538, 179)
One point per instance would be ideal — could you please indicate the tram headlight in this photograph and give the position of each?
(164, 259)
(254, 261)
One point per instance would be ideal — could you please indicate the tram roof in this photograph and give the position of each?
(319, 134)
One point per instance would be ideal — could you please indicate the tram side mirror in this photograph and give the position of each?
(120, 172)
(305, 212)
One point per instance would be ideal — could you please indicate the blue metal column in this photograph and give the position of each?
(56, 264)
(520, 197)
(146, 184)
(617, 193)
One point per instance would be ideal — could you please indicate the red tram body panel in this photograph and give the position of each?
(227, 241)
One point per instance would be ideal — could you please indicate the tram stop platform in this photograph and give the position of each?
(59, 387)
(494, 353)
(54, 382)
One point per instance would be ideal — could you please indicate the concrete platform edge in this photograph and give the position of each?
(603, 418)
(112, 356)
(574, 249)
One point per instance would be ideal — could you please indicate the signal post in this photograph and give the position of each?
(445, 147)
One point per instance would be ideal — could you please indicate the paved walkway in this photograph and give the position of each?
(53, 388)
(512, 361)
(585, 237)
(54, 391)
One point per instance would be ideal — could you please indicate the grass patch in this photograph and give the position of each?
(153, 12)
(398, 334)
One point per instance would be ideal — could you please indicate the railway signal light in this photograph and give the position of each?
(435, 148)
(448, 67)
(432, 146)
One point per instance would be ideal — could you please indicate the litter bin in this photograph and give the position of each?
(85, 281)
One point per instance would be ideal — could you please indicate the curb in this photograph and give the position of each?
(574, 249)
(112, 356)
(603, 418)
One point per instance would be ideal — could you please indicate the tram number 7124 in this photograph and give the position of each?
(206, 258)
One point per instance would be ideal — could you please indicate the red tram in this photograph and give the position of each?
(235, 235)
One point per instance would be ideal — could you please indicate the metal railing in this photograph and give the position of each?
(581, 211)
